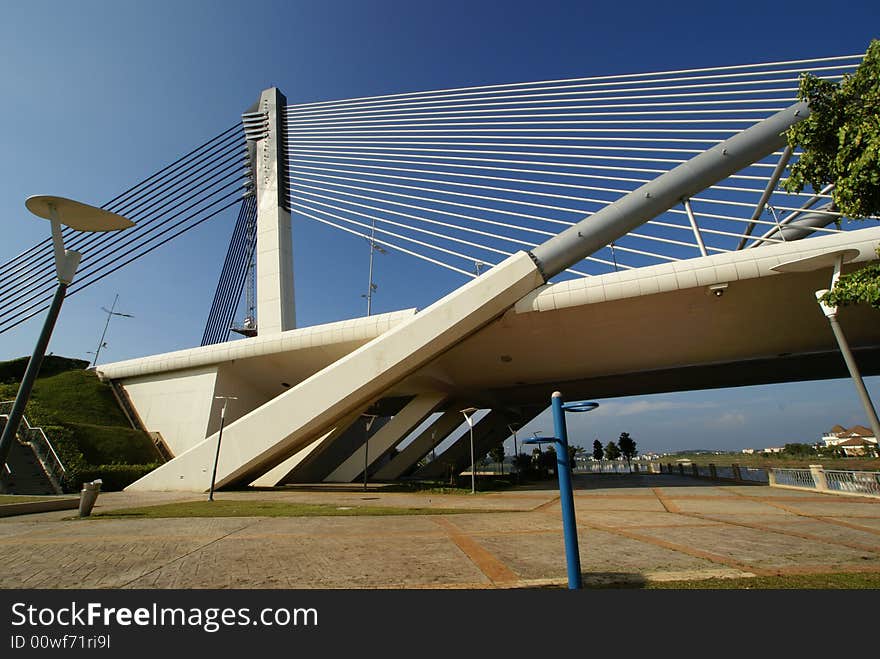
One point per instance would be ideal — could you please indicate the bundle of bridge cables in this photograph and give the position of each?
(462, 178)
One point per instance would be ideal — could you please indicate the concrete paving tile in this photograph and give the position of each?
(706, 490)
(318, 562)
(869, 522)
(496, 523)
(827, 530)
(539, 557)
(725, 505)
(760, 548)
(851, 508)
(629, 519)
(625, 533)
(624, 503)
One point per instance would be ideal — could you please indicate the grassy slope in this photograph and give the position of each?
(82, 418)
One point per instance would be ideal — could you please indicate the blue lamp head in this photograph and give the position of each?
(580, 406)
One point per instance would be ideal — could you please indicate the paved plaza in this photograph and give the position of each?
(632, 528)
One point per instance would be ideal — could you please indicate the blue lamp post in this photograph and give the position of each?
(563, 469)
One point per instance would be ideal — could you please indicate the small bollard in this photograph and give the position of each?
(88, 496)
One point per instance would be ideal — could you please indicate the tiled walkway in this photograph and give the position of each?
(631, 528)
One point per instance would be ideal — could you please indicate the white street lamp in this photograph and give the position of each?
(80, 217)
(836, 260)
(469, 417)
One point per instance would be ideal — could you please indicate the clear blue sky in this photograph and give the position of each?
(100, 94)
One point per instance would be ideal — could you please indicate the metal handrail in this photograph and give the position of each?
(36, 437)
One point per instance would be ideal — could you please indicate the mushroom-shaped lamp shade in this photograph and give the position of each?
(76, 215)
(810, 263)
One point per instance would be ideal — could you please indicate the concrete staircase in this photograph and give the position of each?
(23, 472)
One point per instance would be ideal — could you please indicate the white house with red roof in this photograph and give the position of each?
(857, 440)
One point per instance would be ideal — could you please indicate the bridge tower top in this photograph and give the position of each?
(264, 128)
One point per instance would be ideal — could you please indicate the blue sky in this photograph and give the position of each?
(101, 94)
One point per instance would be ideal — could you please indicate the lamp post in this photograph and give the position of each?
(368, 423)
(225, 400)
(563, 470)
(81, 217)
(469, 417)
(513, 427)
(836, 260)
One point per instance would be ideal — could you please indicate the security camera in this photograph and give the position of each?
(717, 289)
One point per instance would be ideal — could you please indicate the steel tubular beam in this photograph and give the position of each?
(650, 200)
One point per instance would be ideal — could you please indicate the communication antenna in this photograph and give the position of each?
(371, 286)
(110, 313)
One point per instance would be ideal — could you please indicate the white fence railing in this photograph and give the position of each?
(853, 482)
(615, 467)
(795, 478)
(816, 478)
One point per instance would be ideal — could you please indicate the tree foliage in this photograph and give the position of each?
(522, 462)
(627, 447)
(840, 141)
(497, 456)
(841, 138)
(598, 451)
(612, 452)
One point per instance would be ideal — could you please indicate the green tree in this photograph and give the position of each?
(840, 143)
(522, 462)
(798, 449)
(575, 453)
(627, 448)
(598, 451)
(612, 452)
(497, 455)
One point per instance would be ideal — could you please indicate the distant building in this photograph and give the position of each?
(749, 451)
(857, 440)
(773, 449)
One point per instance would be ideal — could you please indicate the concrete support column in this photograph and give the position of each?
(771, 477)
(713, 471)
(818, 473)
(392, 433)
(275, 298)
(445, 424)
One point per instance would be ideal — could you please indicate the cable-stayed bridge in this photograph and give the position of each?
(619, 233)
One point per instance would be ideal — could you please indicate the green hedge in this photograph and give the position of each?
(78, 397)
(12, 372)
(101, 445)
(114, 477)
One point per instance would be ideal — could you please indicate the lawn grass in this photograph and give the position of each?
(18, 498)
(463, 486)
(833, 581)
(232, 508)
